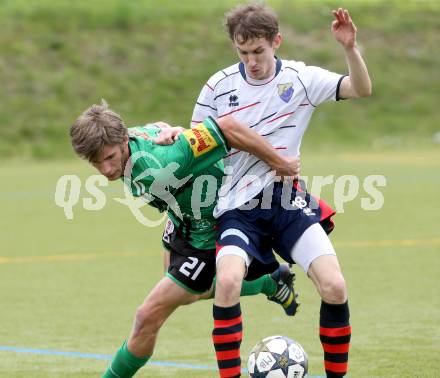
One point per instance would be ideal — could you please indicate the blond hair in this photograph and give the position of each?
(97, 127)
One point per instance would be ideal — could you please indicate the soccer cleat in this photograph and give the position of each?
(285, 294)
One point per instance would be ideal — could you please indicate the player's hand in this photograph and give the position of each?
(343, 28)
(168, 135)
(162, 125)
(290, 166)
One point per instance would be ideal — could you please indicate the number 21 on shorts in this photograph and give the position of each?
(188, 267)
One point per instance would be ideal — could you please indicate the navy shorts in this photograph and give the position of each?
(262, 230)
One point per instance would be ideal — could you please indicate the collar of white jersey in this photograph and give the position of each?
(251, 81)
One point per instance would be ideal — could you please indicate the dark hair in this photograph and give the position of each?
(97, 127)
(251, 21)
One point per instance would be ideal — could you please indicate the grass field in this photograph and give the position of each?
(69, 288)
(73, 285)
(150, 67)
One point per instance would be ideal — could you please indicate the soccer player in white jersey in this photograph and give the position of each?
(258, 215)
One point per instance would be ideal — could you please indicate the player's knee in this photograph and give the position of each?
(194, 298)
(147, 320)
(334, 290)
(229, 283)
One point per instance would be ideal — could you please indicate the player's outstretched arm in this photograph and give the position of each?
(358, 83)
(243, 138)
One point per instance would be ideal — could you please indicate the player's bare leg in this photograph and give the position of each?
(230, 273)
(326, 274)
(162, 301)
(165, 297)
(335, 329)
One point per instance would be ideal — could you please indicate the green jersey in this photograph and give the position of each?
(182, 178)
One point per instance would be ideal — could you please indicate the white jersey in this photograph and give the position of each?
(278, 108)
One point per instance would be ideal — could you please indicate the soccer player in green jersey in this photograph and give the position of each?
(182, 179)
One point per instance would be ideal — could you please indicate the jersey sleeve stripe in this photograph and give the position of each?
(278, 129)
(239, 109)
(263, 119)
(225, 93)
(291, 68)
(223, 78)
(205, 105)
(232, 154)
(305, 90)
(256, 178)
(283, 115)
(244, 174)
(338, 87)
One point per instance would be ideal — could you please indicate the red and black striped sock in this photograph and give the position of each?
(335, 333)
(227, 335)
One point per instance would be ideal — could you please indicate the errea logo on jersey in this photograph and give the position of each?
(233, 100)
(200, 140)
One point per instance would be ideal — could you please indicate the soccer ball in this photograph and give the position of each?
(277, 357)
